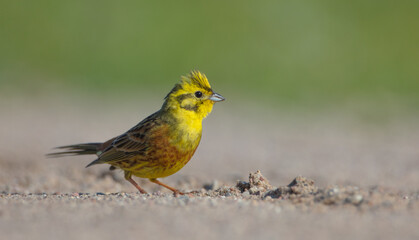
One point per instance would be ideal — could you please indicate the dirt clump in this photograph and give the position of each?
(302, 191)
(260, 186)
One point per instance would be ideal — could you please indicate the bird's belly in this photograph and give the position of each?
(162, 162)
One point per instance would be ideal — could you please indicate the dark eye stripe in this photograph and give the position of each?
(182, 97)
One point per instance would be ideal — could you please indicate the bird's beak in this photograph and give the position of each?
(216, 97)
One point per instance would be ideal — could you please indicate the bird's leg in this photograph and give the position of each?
(136, 185)
(129, 179)
(174, 190)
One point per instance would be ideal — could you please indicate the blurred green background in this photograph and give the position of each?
(293, 54)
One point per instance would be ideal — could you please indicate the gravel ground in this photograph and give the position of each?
(250, 209)
(360, 180)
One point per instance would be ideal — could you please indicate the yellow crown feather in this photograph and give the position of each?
(197, 78)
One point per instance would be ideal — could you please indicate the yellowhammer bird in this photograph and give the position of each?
(164, 142)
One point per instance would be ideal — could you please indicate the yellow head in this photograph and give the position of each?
(192, 98)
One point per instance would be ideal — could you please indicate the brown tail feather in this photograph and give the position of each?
(78, 149)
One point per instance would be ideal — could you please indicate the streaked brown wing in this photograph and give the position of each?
(133, 142)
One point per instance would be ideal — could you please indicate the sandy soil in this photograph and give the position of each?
(361, 180)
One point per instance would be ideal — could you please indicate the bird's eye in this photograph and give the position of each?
(198, 94)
